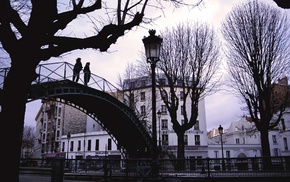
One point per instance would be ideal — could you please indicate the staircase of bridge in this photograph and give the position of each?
(100, 99)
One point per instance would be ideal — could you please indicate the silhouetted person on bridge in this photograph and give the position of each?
(77, 69)
(87, 73)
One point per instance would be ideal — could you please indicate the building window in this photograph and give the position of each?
(143, 110)
(228, 155)
(276, 152)
(197, 139)
(79, 145)
(89, 145)
(283, 124)
(164, 139)
(109, 144)
(216, 154)
(163, 109)
(63, 145)
(285, 144)
(237, 141)
(185, 140)
(97, 147)
(196, 126)
(244, 141)
(71, 146)
(142, 96)
(59, 111)
(164, 125)
(274, 139)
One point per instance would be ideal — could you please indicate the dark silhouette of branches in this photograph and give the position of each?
(32, 31)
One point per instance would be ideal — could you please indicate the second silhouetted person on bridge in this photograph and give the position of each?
(77, 69)
(87, 73)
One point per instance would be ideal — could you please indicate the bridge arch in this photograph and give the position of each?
(116, 118)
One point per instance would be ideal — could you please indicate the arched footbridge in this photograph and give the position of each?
(100, 100)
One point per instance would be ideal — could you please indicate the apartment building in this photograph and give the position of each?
(53, 120)
(139, 91)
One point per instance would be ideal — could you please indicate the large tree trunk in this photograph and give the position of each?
(16, 87)
(265, 143)
(266, 153)
(180, 150)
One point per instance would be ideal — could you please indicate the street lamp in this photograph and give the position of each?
(159, 116)
(221, 131)
(152, 45)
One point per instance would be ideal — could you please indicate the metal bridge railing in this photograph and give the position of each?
(64, 71)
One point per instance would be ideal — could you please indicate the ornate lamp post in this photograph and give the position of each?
(152, 45)
(221, 131)
(159, 116)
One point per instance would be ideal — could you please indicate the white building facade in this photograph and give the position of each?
(238, 141)
(139, 91)
(241, 139)
(94, 143)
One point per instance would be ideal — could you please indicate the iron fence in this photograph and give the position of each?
(92, 169)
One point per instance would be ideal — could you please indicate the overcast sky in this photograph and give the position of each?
(220, 108)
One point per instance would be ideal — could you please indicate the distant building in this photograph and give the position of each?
(53, 120)
(95, 143)
(242, 139)
(239, 140)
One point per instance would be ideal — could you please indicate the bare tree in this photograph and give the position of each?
(257, 50)
(189, 64)
(35, 35)
(28, 140)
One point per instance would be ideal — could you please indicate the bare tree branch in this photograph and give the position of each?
(189, 64)
(257, 50)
